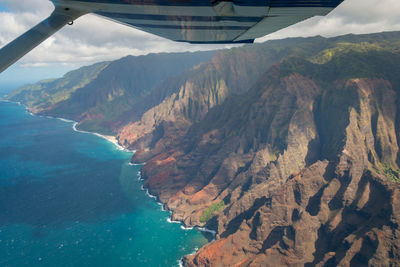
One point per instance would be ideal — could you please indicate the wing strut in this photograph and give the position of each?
(32, 38)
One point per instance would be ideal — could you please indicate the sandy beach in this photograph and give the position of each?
(112, 139)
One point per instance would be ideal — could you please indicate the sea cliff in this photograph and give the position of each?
(288, 150)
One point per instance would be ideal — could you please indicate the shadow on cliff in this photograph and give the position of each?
(356, 222)
(235, 223)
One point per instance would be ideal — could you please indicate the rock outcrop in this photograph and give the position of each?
(101, 97)
(305, 165)
(289, 150)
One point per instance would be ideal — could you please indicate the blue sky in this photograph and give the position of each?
(18, 75)
(4, 7)
(92, 39)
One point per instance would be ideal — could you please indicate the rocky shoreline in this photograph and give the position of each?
(115, 142)
(322, 198)
(289, 150)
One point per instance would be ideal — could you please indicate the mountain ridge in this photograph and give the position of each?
(289, 150)
(196, 175)
(117, 86)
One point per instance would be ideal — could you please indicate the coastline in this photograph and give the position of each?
(182, 225)
(114, 140)
(109, 138)
(169, 219)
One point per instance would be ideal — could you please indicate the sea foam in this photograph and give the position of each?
(110, 138)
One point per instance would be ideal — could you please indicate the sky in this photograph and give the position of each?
(92, 39)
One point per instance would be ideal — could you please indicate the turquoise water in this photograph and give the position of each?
(71, 199)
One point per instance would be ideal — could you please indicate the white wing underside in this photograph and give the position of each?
(194, 21)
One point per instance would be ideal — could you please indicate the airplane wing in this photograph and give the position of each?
(193, 21)
(207, 21)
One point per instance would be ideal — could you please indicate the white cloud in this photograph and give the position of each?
(90, 39)
(352, 16)
(93, 39)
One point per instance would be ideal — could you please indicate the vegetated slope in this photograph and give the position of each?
(187, 98)
(46, 93)
(191, 95)
(107, 94)
(289, 149)
(303, 169)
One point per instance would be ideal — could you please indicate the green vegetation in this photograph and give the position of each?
(210, 211)
(274, 154)
(392, 174)
(344, 47)
(46, 93)
(347, 65)
(103, 95)
(108, 95)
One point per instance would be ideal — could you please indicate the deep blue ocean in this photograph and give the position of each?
(71, 199)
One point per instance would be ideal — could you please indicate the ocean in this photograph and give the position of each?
(71, 199)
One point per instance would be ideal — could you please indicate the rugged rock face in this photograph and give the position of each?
(194, 94)
(189, 97)
(100, 97)
(309, 220)
(289, 149)
(305, 165)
